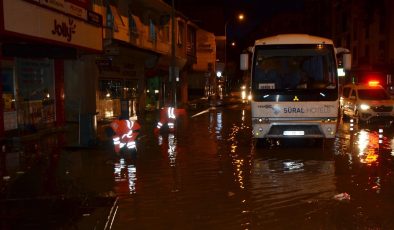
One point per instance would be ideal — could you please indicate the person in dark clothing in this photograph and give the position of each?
(266, 75)
(294, 77)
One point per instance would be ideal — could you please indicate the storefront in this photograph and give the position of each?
(117, 97)
(153, 92)
(28, 93)
(36, 38)
(120, 83)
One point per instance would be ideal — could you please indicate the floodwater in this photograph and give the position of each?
(210, 174)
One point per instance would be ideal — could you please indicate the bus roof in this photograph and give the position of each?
(293, 39)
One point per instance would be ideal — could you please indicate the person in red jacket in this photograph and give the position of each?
(168, 116)
(125, 134)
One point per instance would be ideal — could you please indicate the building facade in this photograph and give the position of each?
(366, 28)
(87, 60)
(45, 45)
(143, 41)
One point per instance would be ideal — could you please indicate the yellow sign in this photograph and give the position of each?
(295, 98)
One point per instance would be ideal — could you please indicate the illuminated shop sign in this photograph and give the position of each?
(64, 29)
(27, 19)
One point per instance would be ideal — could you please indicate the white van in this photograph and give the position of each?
(366, 102)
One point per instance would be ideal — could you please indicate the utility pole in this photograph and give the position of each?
(240, 17)
(173, 60)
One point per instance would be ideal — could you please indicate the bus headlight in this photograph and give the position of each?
(260, 120)
(364, 107)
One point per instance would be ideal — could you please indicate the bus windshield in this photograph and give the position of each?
(280, 69)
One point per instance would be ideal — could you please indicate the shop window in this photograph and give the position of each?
(112, 93)
(36, 93)
(8, 89)
(110, 89)
(153, 93)
(130, 89)
(7, 79)
(118, 89)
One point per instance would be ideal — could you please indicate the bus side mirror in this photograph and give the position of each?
(244, 61)
(347, 61)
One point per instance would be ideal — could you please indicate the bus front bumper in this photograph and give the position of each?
(295, 129)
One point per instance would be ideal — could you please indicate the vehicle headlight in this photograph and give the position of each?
(243, 95)
(364, 107)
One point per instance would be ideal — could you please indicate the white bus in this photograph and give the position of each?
(294, 85)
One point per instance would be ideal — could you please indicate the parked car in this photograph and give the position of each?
(366, 102)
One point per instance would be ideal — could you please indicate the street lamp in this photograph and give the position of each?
(240, 17)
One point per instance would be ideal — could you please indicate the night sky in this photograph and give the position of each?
(211, 15)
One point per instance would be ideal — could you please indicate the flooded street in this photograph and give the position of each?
(210, 174)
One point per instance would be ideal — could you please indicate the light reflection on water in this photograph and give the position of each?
(223, 181)
(365, 146)
(125, 175)
(370, 168)
(168, 145)
(368, 147)
(241, 160)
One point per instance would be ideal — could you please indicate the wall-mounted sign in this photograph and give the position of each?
(27, 19)
(95, 18)
(64, 29)
(76, 10)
